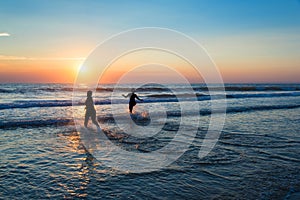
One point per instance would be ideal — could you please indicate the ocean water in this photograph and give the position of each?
(257, 155)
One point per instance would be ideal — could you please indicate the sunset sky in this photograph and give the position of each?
(250, 41)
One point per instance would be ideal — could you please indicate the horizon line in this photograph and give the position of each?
(68, 83)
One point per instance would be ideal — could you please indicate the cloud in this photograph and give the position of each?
(4, 34)
(15, 58)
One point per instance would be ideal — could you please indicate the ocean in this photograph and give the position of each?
(256, 156)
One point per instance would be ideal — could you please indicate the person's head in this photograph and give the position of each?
(132, 90)
(89, 93)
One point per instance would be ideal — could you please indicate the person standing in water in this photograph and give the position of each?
(132, 96)
(90, 110)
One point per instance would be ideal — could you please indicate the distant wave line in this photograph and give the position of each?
(155, 89)
(159, 98)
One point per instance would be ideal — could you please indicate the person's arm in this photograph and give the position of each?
(126, 95)
(136, 96)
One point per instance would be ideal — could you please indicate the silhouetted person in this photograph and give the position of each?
(90, 110)
(132, 96)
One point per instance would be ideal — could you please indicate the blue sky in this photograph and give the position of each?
(50, 28)
(33, 21)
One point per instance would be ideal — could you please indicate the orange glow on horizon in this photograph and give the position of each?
(135, 64)
(232, 70)
(39, 71)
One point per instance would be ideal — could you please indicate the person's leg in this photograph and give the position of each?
(131, 105)
(86, 119)
(94, 119)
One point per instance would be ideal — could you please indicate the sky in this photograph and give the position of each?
(249, 40)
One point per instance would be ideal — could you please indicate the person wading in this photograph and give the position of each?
(132, 96)
(90, 111)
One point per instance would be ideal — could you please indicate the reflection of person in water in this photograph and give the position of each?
(90, 110)
(132, 96)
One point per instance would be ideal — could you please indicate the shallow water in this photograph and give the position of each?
(256, 157)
